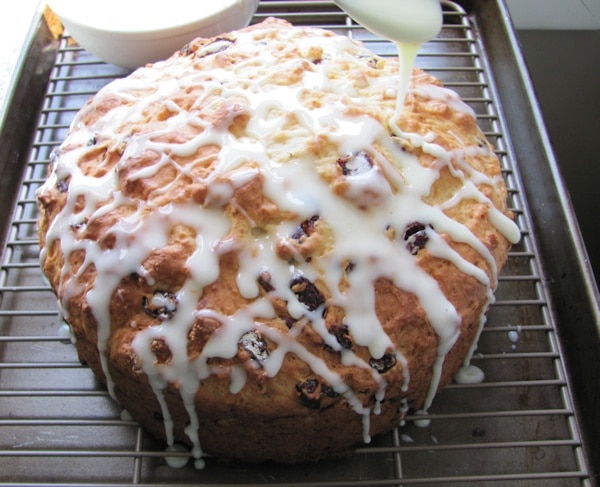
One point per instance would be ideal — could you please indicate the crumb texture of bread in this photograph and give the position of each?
(253, 262)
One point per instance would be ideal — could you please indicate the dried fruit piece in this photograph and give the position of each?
(162, 305)
(329, 391)
(306, 228)
(215, 47)
(78, 225)
(254, 343)
(312, 392)
(307, 292)
(416, 237)
(264, 281)
(186, 50)
(342, 335)
(383, 364)
(289, 322)
(62, 185)
(356, 164)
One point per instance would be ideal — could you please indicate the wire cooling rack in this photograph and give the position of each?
(518, 427)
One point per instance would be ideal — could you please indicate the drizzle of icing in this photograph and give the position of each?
(178, 461)
(419, 421)
(65, 333)
(389, 195)
(126, 415)
(514, 335)
(407, 23)
(469, 374)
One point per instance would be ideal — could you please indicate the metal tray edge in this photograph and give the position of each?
(20, 111)
(569, 276)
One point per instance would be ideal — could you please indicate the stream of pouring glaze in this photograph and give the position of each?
(407, 23)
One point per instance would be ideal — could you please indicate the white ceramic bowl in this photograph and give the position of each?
(131, 33)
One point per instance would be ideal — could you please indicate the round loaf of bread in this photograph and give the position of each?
(253, 262)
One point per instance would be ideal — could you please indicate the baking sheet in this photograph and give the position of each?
(532, 422)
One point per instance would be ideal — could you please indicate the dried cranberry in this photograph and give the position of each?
(356, 164)
(264, 281)
(62, 186)
(186, 50)
(306, 228)
(342, 335)
(384, 363)
(329, 391)
(416, 237)
(255, 344)
(307, 292)
(373, 62)
(78, 225)
(310, 394)
(220, 44)
(162, 306)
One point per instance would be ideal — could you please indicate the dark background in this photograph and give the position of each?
(564, 66)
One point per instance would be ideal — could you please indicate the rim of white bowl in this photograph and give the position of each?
(138, 18)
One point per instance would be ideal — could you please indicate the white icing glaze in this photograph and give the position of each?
(126, 415)
(407, 23)
(397, 20)
(469, 374)
(390, 194)
(178, 461)
(65, 333)
(514, 336)
(421, 422)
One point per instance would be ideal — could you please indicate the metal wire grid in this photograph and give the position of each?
(518, 427)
